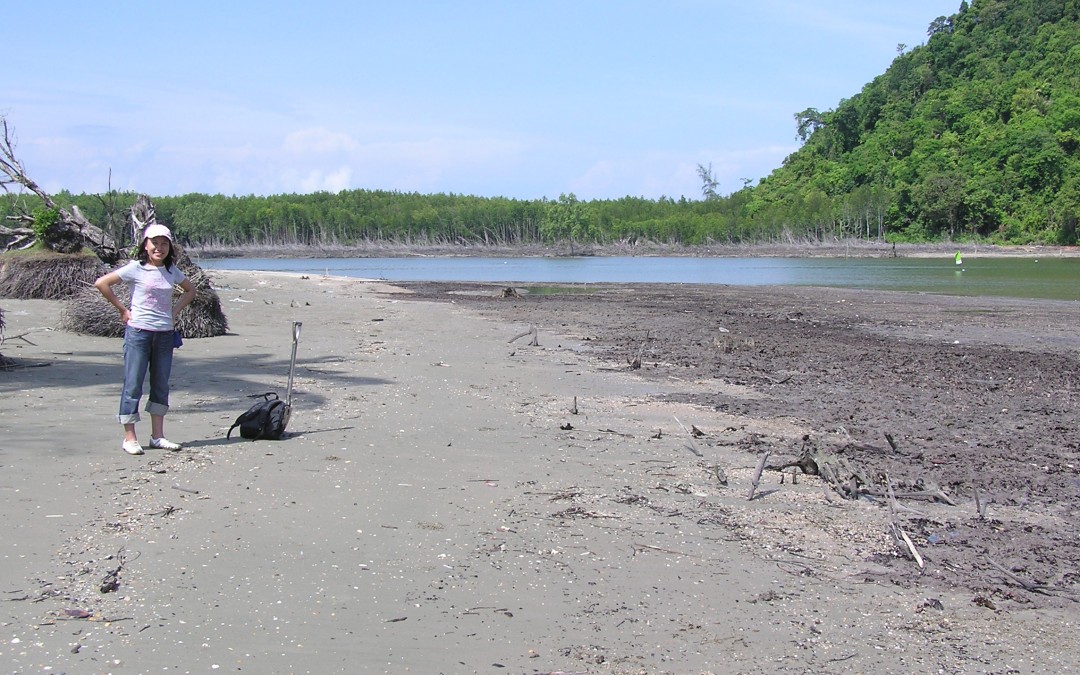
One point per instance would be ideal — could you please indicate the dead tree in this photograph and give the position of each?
(69, 233)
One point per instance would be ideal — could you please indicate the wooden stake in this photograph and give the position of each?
(980, 506)
(757, 475)
(910, 545)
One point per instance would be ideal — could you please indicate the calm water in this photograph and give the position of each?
(1050, 278)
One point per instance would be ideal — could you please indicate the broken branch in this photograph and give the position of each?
(757, 475)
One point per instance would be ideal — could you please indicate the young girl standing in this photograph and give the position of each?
(148, 332)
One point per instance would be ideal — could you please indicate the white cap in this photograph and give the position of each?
(156, 230)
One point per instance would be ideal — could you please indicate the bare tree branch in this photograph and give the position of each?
(77, 225)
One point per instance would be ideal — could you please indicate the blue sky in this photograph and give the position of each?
(519, 98)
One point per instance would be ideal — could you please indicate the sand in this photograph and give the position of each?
(446, 501)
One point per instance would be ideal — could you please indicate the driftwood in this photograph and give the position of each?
(980, 505)
(690, 446)
(532, 331)
(757, 475)
(635, 363)
(20, 336)
(72, 231)
(898, 532)
(718, 471)
(851, 482)
(1024, 583)
(902, 537)
(931, 493)
(1031, 586)
(16, 237)
(835, 471)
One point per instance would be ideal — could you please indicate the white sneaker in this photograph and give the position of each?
(132, 448)
(164, 444)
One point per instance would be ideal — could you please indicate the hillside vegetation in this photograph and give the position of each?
(974, 135)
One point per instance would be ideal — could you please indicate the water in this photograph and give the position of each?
(1049, 278)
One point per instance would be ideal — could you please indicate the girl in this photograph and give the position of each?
(148, 332)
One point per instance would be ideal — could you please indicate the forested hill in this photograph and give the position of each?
(977, 132)
(973, 135)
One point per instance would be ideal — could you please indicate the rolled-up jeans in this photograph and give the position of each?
(145, 349)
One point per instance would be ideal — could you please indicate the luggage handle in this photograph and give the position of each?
(292, 361)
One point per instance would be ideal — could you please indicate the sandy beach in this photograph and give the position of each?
(455, 497)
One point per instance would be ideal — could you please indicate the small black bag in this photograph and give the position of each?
(266, 419)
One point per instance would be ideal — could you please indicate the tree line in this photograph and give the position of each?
(974, 135)
(355, 217)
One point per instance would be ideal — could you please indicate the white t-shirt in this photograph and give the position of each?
(152, 295)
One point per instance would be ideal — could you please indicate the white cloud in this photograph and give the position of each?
(335, 181)
(318, 141)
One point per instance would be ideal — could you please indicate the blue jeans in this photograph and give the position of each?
(145, 349)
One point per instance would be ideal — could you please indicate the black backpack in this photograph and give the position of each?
(266, 419)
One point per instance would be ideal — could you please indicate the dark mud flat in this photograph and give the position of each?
(977, 396)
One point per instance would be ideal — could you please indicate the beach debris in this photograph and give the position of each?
(1029, 586)
(635, 363)
(757, 475)
(111, 581)
(980, 505)
(898, 532)
(641, 548)
(535, 342)
(851, 482)
(693, 434)
(902, 537)
(718, 471)
(565, 494)
(691, 448)
(579, 512)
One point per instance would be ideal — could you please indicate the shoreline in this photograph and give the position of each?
(831, 250)
(451, 500)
